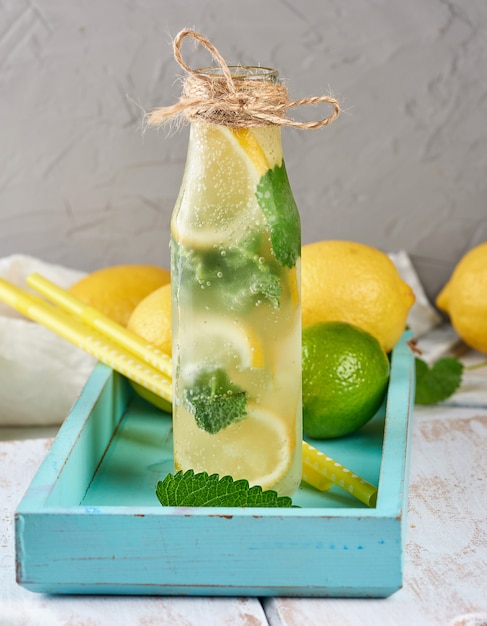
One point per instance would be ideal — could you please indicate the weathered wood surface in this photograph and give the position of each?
(445, 566)
(19, 461)
(445, 578)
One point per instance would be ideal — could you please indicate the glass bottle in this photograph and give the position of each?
(235, 253)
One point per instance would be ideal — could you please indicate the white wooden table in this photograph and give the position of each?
(446, 553)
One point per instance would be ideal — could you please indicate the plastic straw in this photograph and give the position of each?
(109, 342)
(97, 320)
(313, 471)
(320, 469)
(89, 340)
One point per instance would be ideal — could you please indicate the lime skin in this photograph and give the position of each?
(345, 379)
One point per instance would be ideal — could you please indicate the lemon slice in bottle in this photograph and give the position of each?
(218, 213)
(224, 342)
(262, 145)
(252, 149)
(258, 448)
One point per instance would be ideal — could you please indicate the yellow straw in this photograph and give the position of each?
(318, 467)
(89, 340)
(313, 471)
(97, 320)
(120, 349)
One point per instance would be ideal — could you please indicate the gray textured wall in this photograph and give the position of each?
(403, 168)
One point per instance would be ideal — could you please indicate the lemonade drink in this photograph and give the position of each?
(235, 249)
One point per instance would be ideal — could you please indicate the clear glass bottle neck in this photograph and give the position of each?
(240, 73)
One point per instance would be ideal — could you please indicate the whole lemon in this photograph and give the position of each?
(345, 378)
(352, 282)
(464, 298)
(151, 319)
(116, 290)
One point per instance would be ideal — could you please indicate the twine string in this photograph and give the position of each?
(206, 43)
(234, 100)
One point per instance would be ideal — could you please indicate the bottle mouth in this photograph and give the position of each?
(242, 72)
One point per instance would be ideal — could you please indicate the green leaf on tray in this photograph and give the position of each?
(190, 489)
(439, 382)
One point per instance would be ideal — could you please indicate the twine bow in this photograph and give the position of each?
(235, 100)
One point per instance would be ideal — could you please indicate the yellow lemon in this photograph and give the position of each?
(116, 290)
(151, 319)
(464, 298)
(351, 282)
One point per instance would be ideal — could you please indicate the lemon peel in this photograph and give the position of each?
(116, 290)
(355, 283)
(252, 149)
(464, 298)
(152, 320)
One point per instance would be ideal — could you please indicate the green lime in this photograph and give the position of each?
(345, 378)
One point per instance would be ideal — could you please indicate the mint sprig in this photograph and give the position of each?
(214, 400)
(190, 489)
(439, 382)
(242, 278)
(281, 214)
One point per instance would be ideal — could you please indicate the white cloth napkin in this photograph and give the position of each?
(41, 374)
(422, 317)
(437, 339)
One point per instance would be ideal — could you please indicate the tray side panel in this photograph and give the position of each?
(407, 454)
(183, 554)
(93, 441)
(68, 468)
(396, 453)
(399, 408)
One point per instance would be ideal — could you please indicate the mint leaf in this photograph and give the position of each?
(232, 278)
(249, 277)
(438, 382)
(276, 200)
(190, 489)
(215, 401)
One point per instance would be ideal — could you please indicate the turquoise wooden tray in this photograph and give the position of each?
(90, 522)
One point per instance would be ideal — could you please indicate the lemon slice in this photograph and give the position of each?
(252, 148)
(262, 145)
(258, 448)
(217, 203)
(224, 342)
